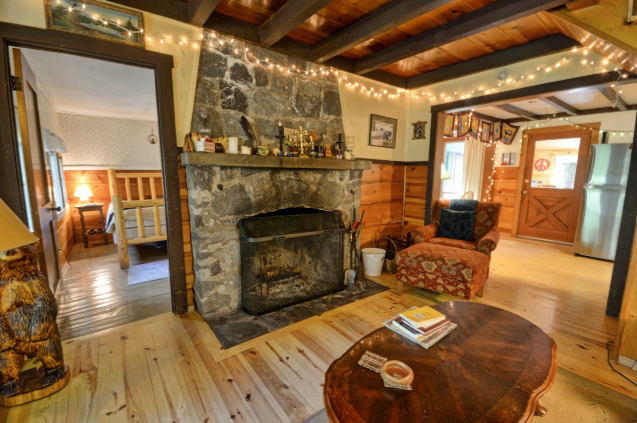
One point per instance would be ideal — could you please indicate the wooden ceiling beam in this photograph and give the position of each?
(289, 16)
(534, 49)
(173, 9)
(573, 85)
(487, 17)
(200, 10)
(584, 112)
(386, 18)
(614, 97)
(517, 111)
(559, 104)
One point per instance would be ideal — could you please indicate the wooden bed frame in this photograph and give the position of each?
(119, 205)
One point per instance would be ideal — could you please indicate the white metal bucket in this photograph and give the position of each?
(373, 259)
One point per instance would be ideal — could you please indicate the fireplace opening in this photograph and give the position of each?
(290, 256)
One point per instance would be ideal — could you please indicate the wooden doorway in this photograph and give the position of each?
(554, 171)
(18, 36)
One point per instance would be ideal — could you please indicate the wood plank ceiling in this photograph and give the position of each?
(406, 43)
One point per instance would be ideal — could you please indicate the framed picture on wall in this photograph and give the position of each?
(419, 131)
(96, 19)
(382, 131)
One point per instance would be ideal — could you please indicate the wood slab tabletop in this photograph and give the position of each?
(493, 367)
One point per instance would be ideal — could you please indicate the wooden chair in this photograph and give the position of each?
(138, 204)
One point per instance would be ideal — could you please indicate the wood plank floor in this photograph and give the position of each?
(172, 369)
(94, 294)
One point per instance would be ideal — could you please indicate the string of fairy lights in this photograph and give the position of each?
(213, 40)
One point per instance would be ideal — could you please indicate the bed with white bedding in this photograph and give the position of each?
(141, 217)
(130, 222)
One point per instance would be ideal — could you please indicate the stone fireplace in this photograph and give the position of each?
(223, 189)
(290, 256)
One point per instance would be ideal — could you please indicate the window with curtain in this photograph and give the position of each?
(452, 188)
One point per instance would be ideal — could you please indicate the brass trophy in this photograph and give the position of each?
(302, 143)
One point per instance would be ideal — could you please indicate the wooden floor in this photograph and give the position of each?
(172, 369)
(94, 294)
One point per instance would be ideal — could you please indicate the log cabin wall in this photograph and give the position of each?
(415, 197)
(393, 198)
(185, 224)
(504, 188)
(65, 237)
(97, 182)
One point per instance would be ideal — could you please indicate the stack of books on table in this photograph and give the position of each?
(424, 325)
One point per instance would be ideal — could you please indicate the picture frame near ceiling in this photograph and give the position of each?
(382, 131)
(419, 131)
(96, 19)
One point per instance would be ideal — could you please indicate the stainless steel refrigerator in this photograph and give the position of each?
(603, 201)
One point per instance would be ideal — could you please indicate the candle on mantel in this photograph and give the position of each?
(280, 129)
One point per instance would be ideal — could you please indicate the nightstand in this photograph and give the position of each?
(94, 230)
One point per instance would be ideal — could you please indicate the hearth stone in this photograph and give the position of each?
(219, 196)
(238, 327)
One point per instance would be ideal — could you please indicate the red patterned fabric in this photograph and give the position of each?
(458, 243)
(488, 242)
(449, 270)
(425, 233)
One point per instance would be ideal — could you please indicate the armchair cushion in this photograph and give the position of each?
(456, 224)
(488, 242)
(487, 216)
(425, 234)
(458, 243)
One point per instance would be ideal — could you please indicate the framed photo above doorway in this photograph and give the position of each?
(382, 131)
(96, 19)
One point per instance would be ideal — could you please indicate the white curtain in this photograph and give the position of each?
(474, 153)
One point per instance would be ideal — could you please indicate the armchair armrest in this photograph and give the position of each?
(488, 242)
(425, 233)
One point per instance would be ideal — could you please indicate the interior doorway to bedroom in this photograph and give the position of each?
(91, 157)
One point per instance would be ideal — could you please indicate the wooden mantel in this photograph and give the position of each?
(238, 160)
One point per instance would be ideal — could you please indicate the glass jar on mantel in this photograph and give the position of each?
(349, 148)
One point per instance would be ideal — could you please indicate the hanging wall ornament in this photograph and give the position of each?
(508, 133)
(475, 127)
(449, 125)
(485, 135)
(464, 124)
(497, 131)
(152, 138)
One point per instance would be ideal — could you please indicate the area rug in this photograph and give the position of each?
(572, 399)
(240, 327)
(140, 273)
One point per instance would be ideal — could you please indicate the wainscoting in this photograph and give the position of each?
(504, 188)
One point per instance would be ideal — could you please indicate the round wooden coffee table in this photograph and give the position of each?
(493, 367)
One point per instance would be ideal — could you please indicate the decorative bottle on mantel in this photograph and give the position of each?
(328, 150)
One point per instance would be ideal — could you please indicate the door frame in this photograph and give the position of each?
(517, 205)
(12, 35)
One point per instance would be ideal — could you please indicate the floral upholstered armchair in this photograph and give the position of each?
(485, 235)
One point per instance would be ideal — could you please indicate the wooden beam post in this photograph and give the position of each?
(487, 17)
(614, 97)
(292, 14)
(386, 18)
(517, 111)
(559, 104)
(200, 10)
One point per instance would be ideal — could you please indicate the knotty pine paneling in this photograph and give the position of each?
(382, 200)
(97, 182)
(65, 238)
(415, 195)
(185, 228)
(504, 189)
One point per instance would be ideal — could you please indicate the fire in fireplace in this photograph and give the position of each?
(290, 256)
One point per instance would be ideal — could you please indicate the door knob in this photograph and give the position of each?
(57, 209)
(525, 192)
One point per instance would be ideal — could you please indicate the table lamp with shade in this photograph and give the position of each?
(27, 318)
(83, 192)
(443, 172)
